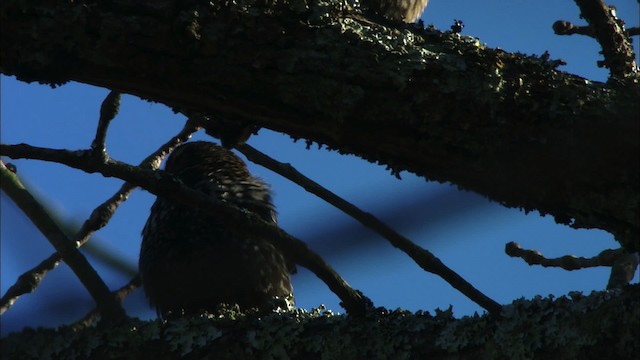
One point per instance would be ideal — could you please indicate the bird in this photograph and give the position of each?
(191, 262)
(397, 10)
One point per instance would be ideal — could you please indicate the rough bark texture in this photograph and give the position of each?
(443, 106)
(603, 325)
(440, 105)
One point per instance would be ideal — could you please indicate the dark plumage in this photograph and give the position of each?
(190, 261)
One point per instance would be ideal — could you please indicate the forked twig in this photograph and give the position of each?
(29, 281)
(163, 184)
(119, 294)
(11, 185)
(623, 264)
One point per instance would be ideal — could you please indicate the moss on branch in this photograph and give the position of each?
(603, 325)
(441, 105)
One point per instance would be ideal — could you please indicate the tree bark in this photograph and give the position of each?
(441, 105)
(603, 325)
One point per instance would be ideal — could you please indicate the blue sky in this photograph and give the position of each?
(465, 230)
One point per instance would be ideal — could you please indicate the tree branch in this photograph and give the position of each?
(163, 184)
(119, 294)
(441, 105)
(29, 281)
(607, 257)
(609, 31)
(602, 325)
(109, 307)
(423, 257)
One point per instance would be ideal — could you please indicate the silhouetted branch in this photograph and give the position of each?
(119, 294)
(29, 281)
(568, 262)
(11, 185)
(424, 258)
(163, 184)
(623, 264)
(601, 325)
(440, 105)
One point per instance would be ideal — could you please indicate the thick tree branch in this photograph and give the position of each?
(603, 325)
(163, 184)
(440, 105)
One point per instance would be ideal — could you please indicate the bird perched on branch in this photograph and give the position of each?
(397, 10)
(192, 262)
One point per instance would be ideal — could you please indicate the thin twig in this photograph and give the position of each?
(100, 216)
(12, 186)
(108, 111)
(623, 264)
(163, 184)
(29, 281)
(120, 294)
(606, 257)
(425, 259)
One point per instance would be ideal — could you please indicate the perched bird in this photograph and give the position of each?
(397, 10)
(192, 262)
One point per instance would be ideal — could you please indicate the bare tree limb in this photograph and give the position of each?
(441, 105)
(120, 294)
(607, 257)
(29, 281)
(600, 325)
(163, 184)
(623, 264)
(68, 249)
(423, 257)
(617, 47)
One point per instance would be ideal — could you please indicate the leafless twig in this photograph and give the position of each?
(623, 264)
(11, 185)
(425, 259)
(100, 216)
(119, 294)
(163, 184)
(568, 262)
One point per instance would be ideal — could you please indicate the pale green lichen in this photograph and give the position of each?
(567, 327)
